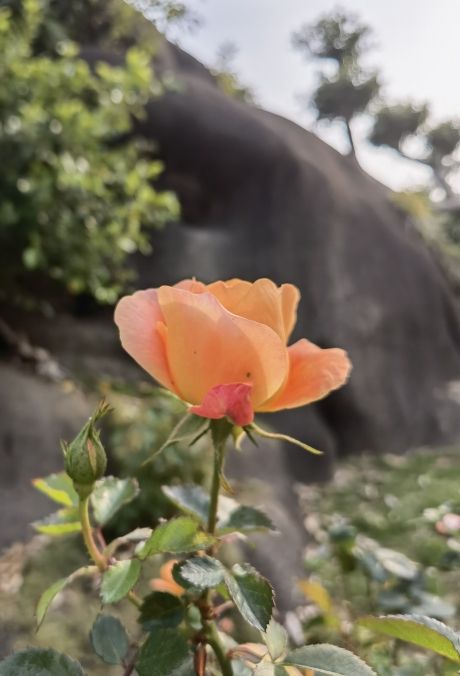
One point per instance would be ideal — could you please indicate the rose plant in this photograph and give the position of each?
(222, 349)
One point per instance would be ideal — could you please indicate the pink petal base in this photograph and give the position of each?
(231, 401)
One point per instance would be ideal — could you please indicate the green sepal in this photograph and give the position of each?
(188, 430)
(277, 436)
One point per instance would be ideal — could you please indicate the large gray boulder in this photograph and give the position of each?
(262, 196)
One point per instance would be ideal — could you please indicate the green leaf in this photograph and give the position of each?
(419, 630)
(245, 519)
(328, 659)
(276, 639)
(136, 535)
(52, 591)
(201, 572)
(119, 579)
(193, 500)
(177, 536)
(109, 639)
(58, 487)
(40, 662)
(109, 495)
(62, 522)
(252, 595)
(161, 609)
(190, 499)
(165, 653)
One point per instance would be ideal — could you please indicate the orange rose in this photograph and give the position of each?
(166, 582)
(223, 347)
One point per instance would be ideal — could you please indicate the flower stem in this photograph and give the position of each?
(88, 538)
(93, 550)
(215, 488)
(212, 637)
(210, 629)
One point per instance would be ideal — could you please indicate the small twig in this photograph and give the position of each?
(200, 659)
(220, 610)
(129, 666)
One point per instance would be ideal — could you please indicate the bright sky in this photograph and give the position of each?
(417, 50)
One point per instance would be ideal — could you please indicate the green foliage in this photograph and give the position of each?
(200, 572)
(344, 96)
(227, 77)
(393, 124)
(420, 630)
(339, 36)
(277, 640)
(139, 427)
(62, 522)
(109, 495)
(109, 639)
(328, 659)
(74, 201)
(119, 579)
(58, 487)
(252, 595)
(177, 536)
(347, 93)
(161, 610)
(387, 557)
(245, 519)
(38, 662)
(190, 499)
(165, 652)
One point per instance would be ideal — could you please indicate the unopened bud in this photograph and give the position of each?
(85, 457)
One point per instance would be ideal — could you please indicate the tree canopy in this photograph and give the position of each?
(74, 203)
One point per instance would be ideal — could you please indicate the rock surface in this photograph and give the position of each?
(264, 197)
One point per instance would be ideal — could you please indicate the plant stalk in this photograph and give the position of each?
(212, 637)
(215, 488)
(210, 629)
(93, 550)
(88, 538)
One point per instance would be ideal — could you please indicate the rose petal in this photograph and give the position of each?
(208, 346)
(261, 301)
(137, 318)
(313, 373)
(232, 400)
(290, 297)
(191, 285)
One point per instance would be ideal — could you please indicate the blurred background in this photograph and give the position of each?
(144, 141)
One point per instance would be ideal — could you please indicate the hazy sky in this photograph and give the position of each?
(417, 48)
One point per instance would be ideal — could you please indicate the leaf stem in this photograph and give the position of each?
(88, 538)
